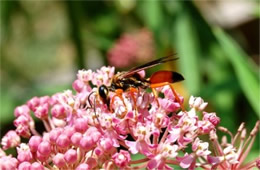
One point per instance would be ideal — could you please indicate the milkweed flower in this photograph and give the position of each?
(82, 132)
(132, 48)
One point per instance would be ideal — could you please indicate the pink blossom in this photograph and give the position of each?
(122, 158)
(163, 152)
(33, 103)
(197, 103)
(200, 148)
(23, 130)
(133, 48)
(230, 154)
(24, 153)
(188, 161)
(22, 110)
(41, 111)
(11, 139)
(8, 162)
(82, 132)
(85, 75)
(58, 111)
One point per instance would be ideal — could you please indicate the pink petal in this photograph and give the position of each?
(152, 164)
(132, 146)
(186, 161)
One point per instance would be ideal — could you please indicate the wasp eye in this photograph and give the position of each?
(103, 91)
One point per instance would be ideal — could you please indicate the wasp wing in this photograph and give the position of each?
(148, 65)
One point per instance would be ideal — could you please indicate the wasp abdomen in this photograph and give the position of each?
(165, 76)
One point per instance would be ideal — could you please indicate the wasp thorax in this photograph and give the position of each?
(103, 91)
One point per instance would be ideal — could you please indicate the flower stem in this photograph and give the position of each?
(139, 161)
(164, 135)
(173, 162)
(140, 166)
(46, 125)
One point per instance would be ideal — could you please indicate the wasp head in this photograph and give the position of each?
(103, 93)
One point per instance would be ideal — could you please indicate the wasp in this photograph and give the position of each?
(131, 81)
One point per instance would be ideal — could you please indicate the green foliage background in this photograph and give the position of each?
(44, 43)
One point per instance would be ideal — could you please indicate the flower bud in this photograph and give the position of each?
(44, 148)
(44, 100)
(75, 139)
(59, 160)
(84, 75)
(36, 166)
(63, 141)
(41, 157)
(71, 156)
(33, 103)
(8, 162)
(41, 111)
(81, 125)
(58, 111)
(21, 120)
(54, 134)
(83, 166)
(24, 166)
(69, 131)
(23, 130)
(86, 143)
(106, 143)
(99, 151)
(22, 110)
(258, 163)
(34, 143)
(197, 103)
(78, 85)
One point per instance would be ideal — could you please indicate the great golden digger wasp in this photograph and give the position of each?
(131, 81)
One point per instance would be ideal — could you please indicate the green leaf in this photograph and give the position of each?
(186, 40)
(6, 107)
(245, 70)
(151, 13)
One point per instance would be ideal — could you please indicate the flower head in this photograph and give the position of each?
(82, 131)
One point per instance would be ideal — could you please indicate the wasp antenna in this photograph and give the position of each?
(89, 101)
(95, 111)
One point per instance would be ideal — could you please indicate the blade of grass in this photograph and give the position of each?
(151, 13)
(186, 40)
(245, 71)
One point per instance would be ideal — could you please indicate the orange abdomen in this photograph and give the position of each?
(165, 76)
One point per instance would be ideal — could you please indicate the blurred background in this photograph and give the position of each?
(44, 43)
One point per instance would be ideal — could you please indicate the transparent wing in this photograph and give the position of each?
(148, 65)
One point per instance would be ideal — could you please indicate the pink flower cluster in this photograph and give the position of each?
(132, 48)
(82, 133)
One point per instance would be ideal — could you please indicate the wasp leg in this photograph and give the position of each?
(93, 106)
(155, 95)
(119, 93)
(153, 86)
(132, 91)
